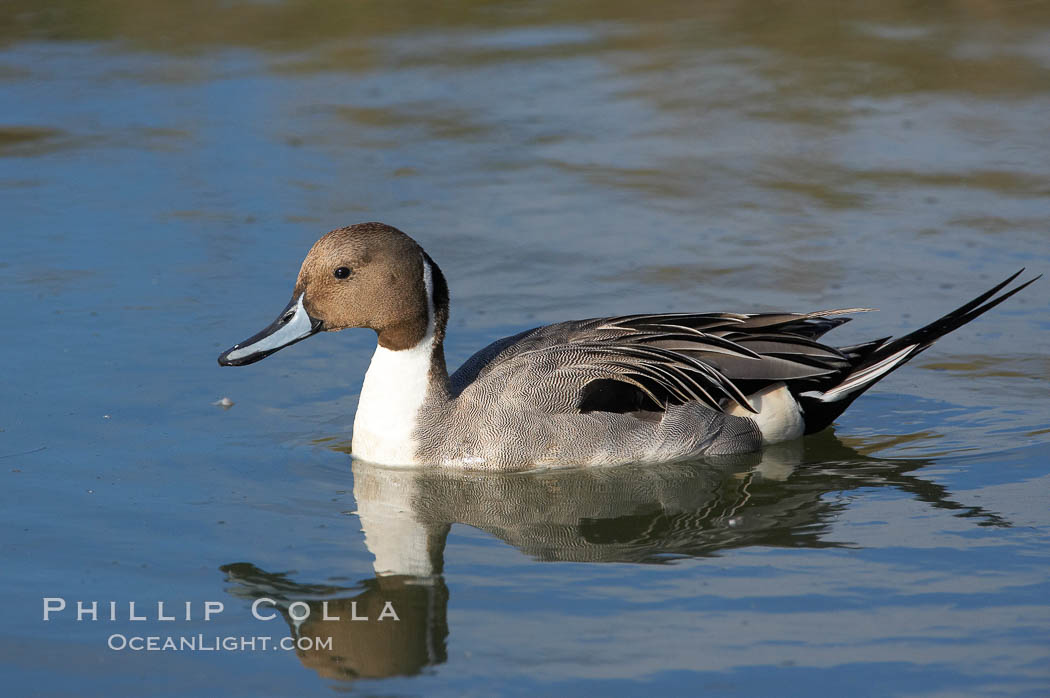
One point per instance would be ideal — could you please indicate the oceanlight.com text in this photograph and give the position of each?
(215, 643)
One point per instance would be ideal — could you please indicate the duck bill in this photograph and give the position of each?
(293, 325)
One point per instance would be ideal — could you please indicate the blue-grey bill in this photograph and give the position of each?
(292, 325)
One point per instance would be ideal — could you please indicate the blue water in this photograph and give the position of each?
(163, 169)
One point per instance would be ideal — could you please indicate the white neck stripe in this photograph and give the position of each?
(428, 284)
(394, 391)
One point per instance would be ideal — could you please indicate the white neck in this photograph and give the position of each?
(394, 390)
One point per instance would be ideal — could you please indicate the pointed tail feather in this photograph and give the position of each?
(875, 361)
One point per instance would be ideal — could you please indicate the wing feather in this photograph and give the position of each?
(674, 358)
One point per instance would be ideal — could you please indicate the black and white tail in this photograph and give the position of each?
(872, 361)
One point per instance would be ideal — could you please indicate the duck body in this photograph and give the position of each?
(521, 403)
(602, 391)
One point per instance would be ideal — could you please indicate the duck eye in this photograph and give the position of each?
(342, 272)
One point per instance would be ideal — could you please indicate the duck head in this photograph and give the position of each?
(366, 275)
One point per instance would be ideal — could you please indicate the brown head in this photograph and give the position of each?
(366, 275)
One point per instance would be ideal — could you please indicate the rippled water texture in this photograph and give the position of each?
(164, 167)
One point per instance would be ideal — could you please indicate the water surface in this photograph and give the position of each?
(165, 166)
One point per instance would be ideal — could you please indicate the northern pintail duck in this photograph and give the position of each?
(631, 388)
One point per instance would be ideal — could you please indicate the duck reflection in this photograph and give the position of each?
(366, 640)
(649, 514)
(642, 514)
